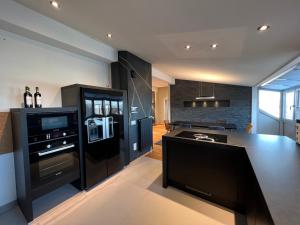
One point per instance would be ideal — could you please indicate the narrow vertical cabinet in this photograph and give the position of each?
(134, 75)
(257, 209)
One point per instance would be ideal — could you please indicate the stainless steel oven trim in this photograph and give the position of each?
(56, 150)
(49, 167)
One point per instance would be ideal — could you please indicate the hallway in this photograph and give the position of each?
(158, 131)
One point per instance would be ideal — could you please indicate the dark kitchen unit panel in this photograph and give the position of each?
(103, 128)
(210, 170)
(46, 152)
(145, 133)
(215, 171)
(134, 75)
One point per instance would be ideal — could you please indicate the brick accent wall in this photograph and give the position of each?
(238, 113)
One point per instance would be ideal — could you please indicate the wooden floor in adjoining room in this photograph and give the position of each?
(158, 131)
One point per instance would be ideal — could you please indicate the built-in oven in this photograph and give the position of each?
(48, 126)
(53, 159)
(53, 148)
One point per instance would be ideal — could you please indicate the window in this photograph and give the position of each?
(289, 105)
(269, 102)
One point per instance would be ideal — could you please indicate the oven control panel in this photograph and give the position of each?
(51, 136)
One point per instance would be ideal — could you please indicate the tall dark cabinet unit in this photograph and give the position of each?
(46, 152)
(134, 75)
(103, 128)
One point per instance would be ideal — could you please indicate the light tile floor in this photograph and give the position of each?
(132, 197)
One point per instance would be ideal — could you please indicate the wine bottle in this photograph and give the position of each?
(37, 98)
(27, 98)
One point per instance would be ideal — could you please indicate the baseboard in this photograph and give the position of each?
(8, 206)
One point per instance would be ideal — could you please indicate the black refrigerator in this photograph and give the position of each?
(103, 130)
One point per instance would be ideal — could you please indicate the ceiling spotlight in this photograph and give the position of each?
(55, 4)
(109, 35)
(214, 46)
(187, 47)
(263, 28)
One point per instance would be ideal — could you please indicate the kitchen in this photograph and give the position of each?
(84, 142)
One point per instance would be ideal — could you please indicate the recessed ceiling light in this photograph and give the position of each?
(109, 35)
(188, 47)
(263, 27)
(214, 46)
(55, 4)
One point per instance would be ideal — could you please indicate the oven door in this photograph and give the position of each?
(54, 164)
(41, 124)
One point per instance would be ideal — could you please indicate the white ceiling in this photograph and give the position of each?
(159, 83)
(158, 30)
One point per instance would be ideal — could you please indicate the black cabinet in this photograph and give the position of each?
(211, 171)
(134, 75)
(103, 127)
(46, 152)
(257, 209)
(216, 172)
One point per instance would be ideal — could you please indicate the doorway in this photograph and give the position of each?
(166, 109)
(289, 110)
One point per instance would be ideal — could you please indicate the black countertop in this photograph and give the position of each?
(276, 164)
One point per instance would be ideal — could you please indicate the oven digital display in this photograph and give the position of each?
(49, 123)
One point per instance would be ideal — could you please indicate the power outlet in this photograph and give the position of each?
(135, 146)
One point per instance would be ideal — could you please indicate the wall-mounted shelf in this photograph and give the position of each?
(207, 103)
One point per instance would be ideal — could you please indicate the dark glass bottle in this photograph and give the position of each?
(37, 98)
(27, 98)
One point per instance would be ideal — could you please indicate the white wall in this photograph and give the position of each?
(268, 124)
(254, 109)
(27, 62)
(23, 21)
(162, 95)
(162, 76)
(7, 177)
(155, 90)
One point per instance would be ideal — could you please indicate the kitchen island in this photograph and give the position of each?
(256, 175)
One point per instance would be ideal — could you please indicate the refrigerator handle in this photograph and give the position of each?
(111, 123)
(110, 127)
(104, 128)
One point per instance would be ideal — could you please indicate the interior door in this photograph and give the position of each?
(289, 123)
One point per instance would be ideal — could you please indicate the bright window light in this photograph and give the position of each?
(269, 102)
